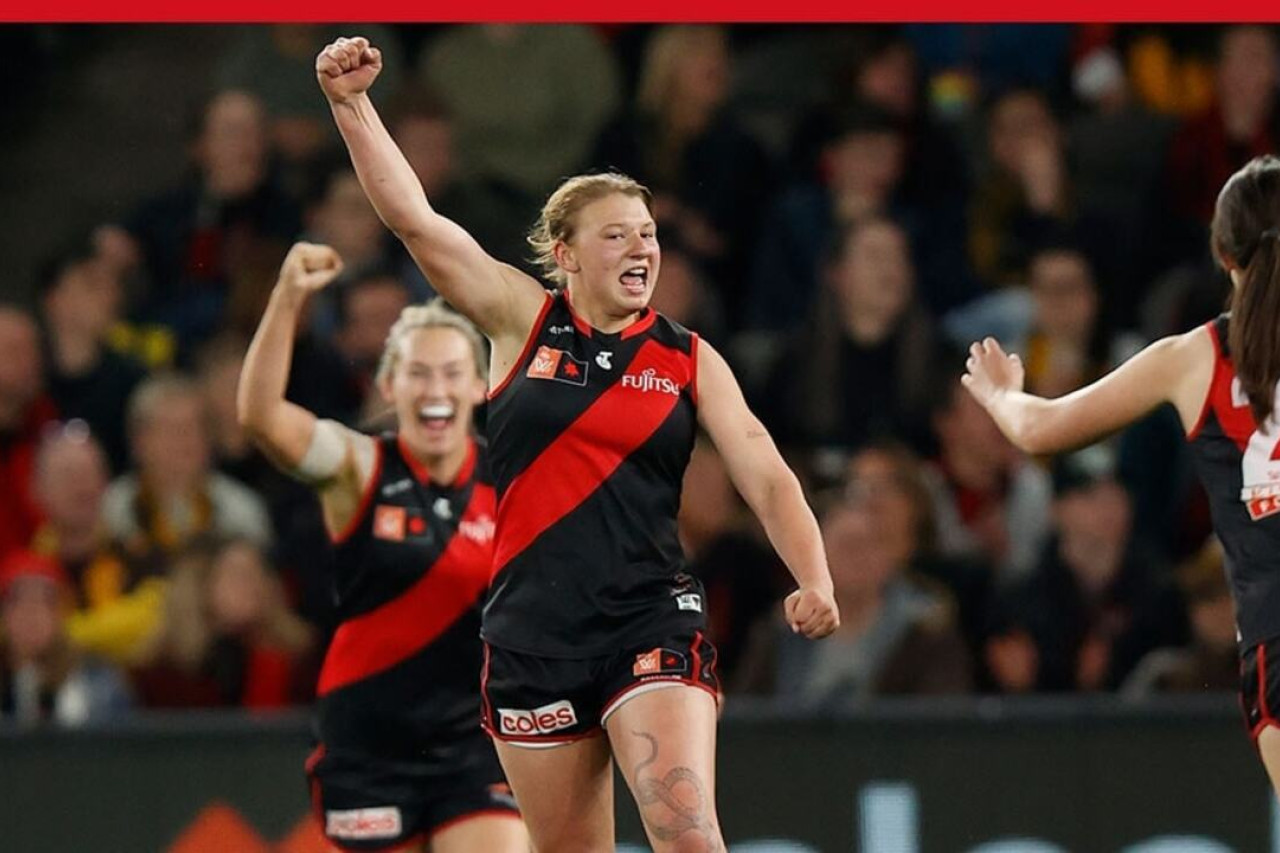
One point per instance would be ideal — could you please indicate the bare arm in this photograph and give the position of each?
(1172, 370)
(770, 489)
(500, 299)
(335, 460)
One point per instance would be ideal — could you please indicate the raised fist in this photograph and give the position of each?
(347, 68)
(309, 267)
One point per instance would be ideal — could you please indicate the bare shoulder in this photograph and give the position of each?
(1188, 360)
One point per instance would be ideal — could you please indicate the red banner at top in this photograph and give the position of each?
(591, 11)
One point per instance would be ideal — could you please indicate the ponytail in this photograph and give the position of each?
(1254, 335)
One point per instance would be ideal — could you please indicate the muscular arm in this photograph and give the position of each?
(1172, 370)
(500, 299)
(758, 471)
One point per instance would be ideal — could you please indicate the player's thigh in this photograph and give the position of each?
(565, 793)
(664, 741)
(496, 832)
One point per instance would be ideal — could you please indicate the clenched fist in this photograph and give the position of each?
(811, 612)
(309, 267)
(347, 68)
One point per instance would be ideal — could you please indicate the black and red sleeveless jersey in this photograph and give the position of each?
(1239, 465)
(412, 569)
(589, 437)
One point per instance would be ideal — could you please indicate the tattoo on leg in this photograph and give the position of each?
(682, 792)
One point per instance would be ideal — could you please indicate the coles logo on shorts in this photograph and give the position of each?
(361, 824)
(539, 721)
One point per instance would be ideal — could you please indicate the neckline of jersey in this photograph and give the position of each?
(423, 476)
(638, 325)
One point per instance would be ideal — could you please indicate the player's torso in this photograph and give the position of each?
(590, 436)
(1239, 465)
(411, 576)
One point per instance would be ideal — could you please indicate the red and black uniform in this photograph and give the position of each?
(1239, 464)
(589, 437)
(400, 753)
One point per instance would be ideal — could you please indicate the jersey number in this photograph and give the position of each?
(1261, 462)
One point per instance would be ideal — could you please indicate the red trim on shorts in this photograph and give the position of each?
(528, 346)
(1207, 405)
(667, 679)
(485, 711)
(313, 759)
(407, 844)
(478, 813)
(546, 741)
(365, 499)
(1267, 718)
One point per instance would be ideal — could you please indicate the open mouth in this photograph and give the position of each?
(635, 280)
(437, 417)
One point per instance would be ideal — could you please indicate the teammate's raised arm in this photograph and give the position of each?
(498, 298)
(321, 453)
(1175, 370)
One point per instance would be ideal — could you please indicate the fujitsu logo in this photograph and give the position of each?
(649, 380)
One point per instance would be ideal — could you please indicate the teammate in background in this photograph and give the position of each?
(401, 762)
(594, 405)
(1222, 378)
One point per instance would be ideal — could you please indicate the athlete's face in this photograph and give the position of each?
(613, 256)
(435, 388)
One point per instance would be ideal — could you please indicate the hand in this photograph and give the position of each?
(347, 68)
(309, 267)
(811, 612)
(992, 372)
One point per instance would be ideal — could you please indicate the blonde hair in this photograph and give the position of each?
(557, 222)
(662, 57)
(436, 314)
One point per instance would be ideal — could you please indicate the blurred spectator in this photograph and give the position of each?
(527, 102)
(1068, 345)
(741, 575)
(192, 238)
(425, 130)
(340, 215)
(276, 62)
(1211, 660)
(861, 168)
(42, 678)
(1096, 603)
(1025, 195)
(861, 369)
(1116, 151)
(368, 306)
(880, 67)
(81, 301)
(173, 494)
(227, 638)
(301, 549)
(24, 410)
(115, 598)
(1239, 125)
(991, 501)
(710, 179)
(894, 638)
(888, 481)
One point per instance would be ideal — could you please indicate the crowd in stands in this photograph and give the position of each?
(841, 210)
